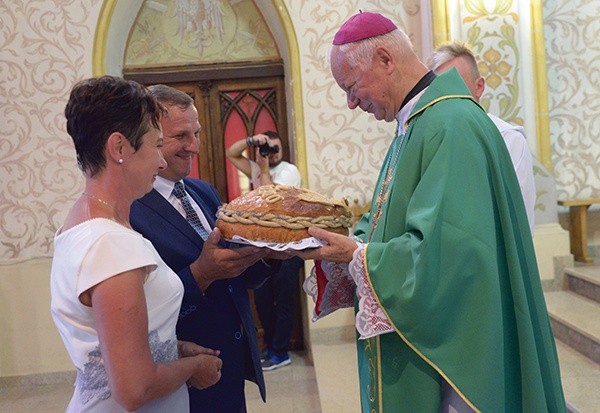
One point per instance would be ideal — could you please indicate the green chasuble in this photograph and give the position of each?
(451, 262)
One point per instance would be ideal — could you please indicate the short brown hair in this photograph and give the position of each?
(100, 106)
(169, 96)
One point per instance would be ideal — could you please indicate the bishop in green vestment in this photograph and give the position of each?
(447, 254)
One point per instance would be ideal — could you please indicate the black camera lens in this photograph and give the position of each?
(265, 149)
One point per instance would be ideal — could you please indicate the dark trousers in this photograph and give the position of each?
(275, 301)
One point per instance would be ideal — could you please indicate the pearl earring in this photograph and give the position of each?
(120, 160)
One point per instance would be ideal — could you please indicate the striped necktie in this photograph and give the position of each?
(190, 214)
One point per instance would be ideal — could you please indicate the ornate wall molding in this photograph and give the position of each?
(45, 48)
(571, 30)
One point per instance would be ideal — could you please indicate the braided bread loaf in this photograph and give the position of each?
(282, 214)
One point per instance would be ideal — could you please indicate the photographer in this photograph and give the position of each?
(269, 168)
(275, 298)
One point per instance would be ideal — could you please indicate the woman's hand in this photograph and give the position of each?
(208, 371)
(189, 349)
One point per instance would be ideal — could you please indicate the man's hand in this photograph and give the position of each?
(338, 248)
(279, 255)
(260, 139)
(216, 263)
(261, 161)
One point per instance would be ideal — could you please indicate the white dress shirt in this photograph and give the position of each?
(165, 188)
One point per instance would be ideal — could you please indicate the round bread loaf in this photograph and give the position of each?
(282, 214)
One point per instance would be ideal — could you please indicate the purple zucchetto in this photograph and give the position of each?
(363, 26)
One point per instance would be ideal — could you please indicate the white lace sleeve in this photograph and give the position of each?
(331, 288)
(371, 321)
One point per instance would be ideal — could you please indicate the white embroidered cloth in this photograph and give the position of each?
(371, 321)
(296, 245)
(333, 285)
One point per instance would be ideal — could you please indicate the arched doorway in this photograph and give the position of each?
(213, 84)
(115, 21)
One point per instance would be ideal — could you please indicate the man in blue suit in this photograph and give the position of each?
(178, 219)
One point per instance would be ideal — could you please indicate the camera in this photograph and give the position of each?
(264, 149)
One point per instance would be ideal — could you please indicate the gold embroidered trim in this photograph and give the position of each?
(378, 301)
(410, 344)
(436, 101)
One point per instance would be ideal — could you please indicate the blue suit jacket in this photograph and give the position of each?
(220, 319)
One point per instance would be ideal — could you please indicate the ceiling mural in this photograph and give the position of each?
(180, 32)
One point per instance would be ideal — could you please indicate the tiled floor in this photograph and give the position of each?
(580, 379)
(290, 389)
(293, 389)
(337, 385)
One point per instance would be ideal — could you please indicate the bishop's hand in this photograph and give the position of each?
(337, 248)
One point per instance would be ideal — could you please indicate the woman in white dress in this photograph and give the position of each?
(114, 301)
